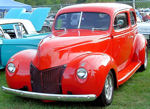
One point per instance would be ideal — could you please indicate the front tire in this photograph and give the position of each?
(106, 96)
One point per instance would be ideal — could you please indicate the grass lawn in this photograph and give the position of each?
(134, 94)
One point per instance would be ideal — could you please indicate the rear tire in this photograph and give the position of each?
(106, 96)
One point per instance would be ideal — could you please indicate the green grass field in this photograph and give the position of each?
(134, 94)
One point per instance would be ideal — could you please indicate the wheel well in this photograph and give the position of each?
(115, 79)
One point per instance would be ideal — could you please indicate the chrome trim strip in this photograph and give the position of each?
(46, 96)
(129, 73)
(123, 34)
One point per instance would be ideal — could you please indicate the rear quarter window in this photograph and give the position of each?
(132, 18)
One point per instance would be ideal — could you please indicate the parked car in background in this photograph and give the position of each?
(46, 27)
(51, 18)
(48, 23)
(17, 35)
(144, 28)
(93, 49)
(37, 16)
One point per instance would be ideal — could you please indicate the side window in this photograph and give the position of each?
(132, 18)
(121, 21)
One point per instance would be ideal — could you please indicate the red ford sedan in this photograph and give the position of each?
(93, 49)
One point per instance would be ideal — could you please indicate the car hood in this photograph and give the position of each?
(37, 17)
(61, 47)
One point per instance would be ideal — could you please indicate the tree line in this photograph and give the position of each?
(52, 2)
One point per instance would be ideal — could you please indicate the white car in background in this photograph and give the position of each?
(144, 28)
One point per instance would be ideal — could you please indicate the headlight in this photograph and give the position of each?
(82, 73)
(11, 68)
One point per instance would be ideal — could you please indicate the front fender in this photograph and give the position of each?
(21, 77)
(98, 65)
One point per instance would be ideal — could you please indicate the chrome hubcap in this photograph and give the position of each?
(108, 87)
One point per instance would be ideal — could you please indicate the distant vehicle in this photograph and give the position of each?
(51, 18)
(17, 35)
(48, 24)
(37, 17)
(144, 28)
(46, 27)
(138, 16)
(93, 48)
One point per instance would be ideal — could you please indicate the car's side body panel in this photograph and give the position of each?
(11, 47)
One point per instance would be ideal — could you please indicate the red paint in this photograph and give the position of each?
(96, 51)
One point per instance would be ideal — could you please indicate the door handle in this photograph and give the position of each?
(130, 36)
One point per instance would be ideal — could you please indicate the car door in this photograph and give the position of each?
(122, 45)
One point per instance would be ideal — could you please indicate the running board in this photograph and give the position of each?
(125, 74)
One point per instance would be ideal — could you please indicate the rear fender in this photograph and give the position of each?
(21, 77)
(98, 65)
(139, 48)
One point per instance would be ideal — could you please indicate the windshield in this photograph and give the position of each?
(83, 20)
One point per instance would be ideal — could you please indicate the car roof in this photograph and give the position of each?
(27, 24)
(106, 7)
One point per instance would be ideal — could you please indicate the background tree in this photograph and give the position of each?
(80, 1)
(51, 2)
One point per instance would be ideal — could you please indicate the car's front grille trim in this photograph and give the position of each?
(48, 80)
(35, 79)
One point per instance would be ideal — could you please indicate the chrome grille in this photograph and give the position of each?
(46, 81)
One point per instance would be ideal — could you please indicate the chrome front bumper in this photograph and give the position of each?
(45, 96)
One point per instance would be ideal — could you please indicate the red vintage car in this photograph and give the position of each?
(93, 49)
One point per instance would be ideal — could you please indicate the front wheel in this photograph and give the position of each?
(107, 93)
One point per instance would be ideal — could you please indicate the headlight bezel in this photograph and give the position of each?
(11, 67)
(82, 73)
